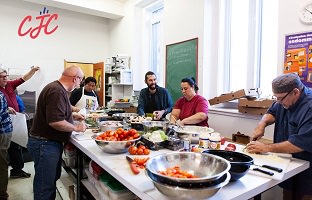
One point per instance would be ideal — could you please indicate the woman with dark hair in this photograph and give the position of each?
(85, 97)
(191, 109)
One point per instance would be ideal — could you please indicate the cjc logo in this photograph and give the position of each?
(34, 32)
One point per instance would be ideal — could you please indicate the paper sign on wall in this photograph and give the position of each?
(298, 56)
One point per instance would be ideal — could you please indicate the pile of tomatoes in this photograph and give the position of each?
(177, 172)
(140, 162)
(119, 135)
(139, 150)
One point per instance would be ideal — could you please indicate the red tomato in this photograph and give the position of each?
(133, 150)
(146, 151)
(142, 147)
(136, 135)
(140, 151)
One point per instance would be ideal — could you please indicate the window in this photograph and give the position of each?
(156, 41)
(250, 44)
(152, 38)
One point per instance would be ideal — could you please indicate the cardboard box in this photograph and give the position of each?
(258, 103)
(227, 97)
(253, 111)
(240, 138)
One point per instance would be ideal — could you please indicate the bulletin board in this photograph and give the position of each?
(298, 56)
(181, 62)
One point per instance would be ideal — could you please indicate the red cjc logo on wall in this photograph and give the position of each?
(44, 20)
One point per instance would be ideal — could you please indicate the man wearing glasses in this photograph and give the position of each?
(52, 126)
(8, 87)
(292, 116)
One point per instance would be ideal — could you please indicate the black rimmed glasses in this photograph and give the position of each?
(282, 99)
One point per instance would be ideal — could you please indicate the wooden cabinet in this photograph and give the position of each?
(95, 70)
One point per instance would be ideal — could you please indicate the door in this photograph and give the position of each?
(98, 74)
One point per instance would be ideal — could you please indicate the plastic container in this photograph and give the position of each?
(91, 179)
(117, 191)
(215, 141)
(95, 169)
(70, 161)
(204, 140)
(103, 195)
(103, 181)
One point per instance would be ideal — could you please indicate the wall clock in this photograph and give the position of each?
(305, 14)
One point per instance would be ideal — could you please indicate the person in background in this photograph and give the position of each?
(20, 104)
(52, 126)
(292, 116)
(154, 99)
(6, 129)
(85, 97)
(191, 109)
(8, 87)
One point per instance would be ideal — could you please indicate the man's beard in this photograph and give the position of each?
(152, 87)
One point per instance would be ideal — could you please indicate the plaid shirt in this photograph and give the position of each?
(5, 119)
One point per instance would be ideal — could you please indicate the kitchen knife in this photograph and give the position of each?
(263, 171)
(271, 168)
(133, 166)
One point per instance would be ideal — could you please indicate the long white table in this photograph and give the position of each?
(116, 164)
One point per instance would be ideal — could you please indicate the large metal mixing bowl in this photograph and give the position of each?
(206, 167)
(110, 125)
(114, 146)
(191, 193)
(150, 126)
(192, 132)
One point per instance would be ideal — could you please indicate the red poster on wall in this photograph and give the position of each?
(298, 56)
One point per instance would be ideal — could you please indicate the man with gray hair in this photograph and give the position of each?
(292, 116)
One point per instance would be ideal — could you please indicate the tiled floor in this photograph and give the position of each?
(19, 189)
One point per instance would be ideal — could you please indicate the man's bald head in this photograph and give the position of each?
(72, 71)
(71, 77)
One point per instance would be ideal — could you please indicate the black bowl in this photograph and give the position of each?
(137, 126)
(240, 163)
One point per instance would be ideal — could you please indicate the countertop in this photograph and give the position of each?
(116, 164)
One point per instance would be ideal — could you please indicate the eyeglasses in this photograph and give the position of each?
(281, 100)
(80, 78)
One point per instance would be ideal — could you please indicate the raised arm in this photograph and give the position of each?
(29, 74)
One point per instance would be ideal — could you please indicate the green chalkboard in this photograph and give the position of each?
(181, 62)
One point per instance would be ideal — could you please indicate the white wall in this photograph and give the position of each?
(289, 23)
(87, 38)
(184, 20)
(79, 37)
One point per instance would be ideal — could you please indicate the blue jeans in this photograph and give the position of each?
(47, 156)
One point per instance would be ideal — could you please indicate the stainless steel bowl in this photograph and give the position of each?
(150, 126)
(114, 146)
(120, 116)
(110, 125)
(192, 132)
(191, 193)
(206, 167)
